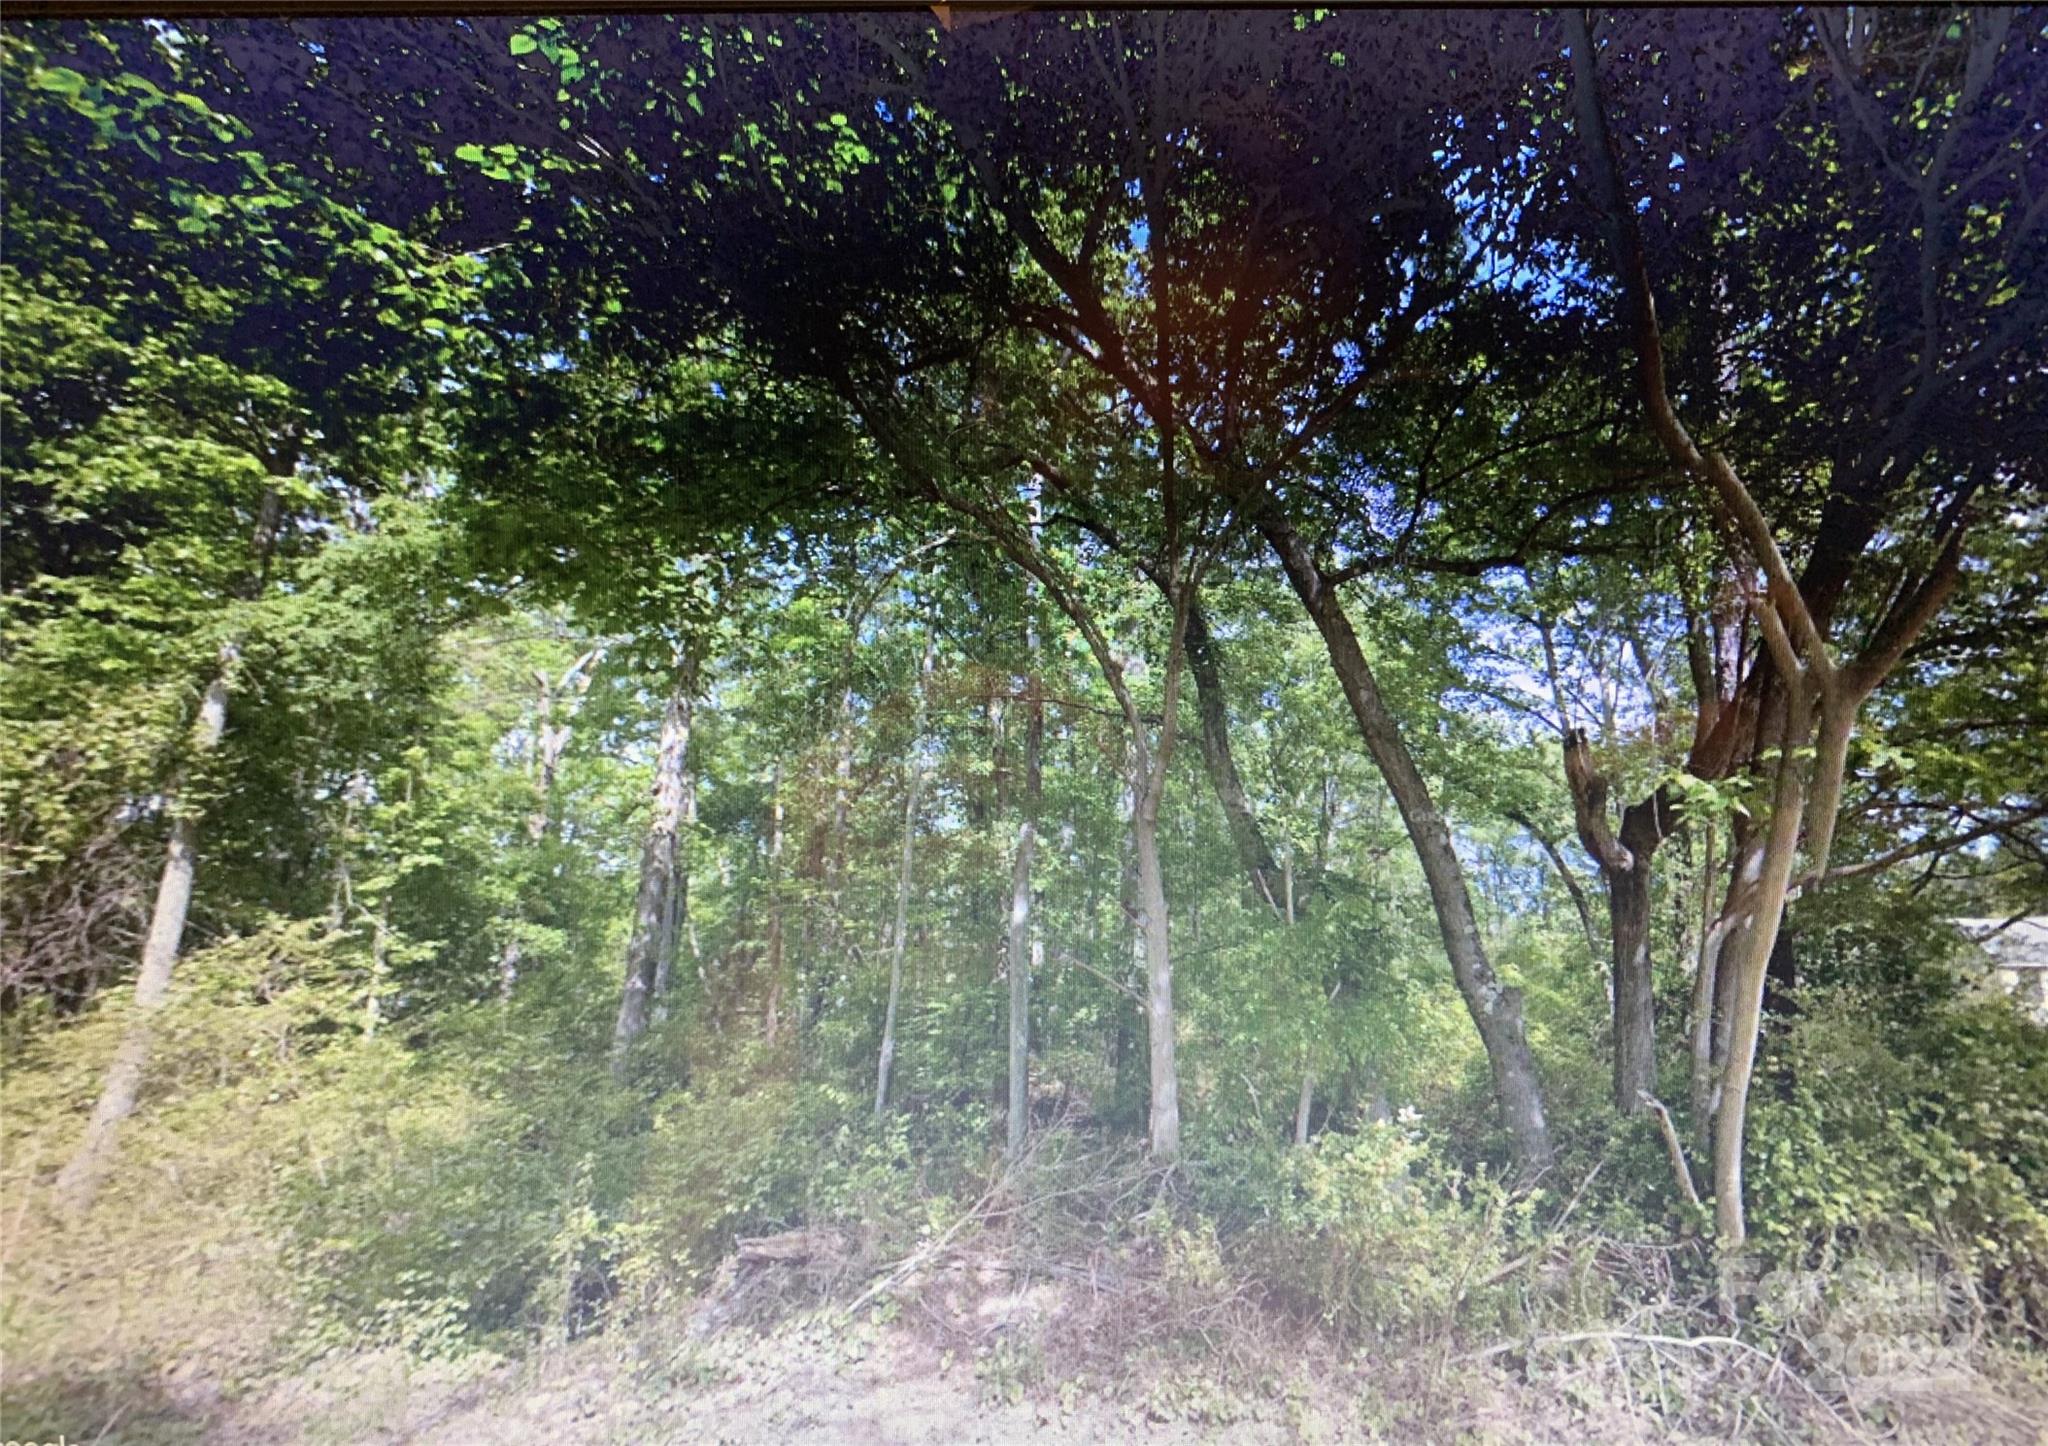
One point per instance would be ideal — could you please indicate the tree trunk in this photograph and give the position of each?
(1220, 761)
(1301, 1110)
(1781, 977)
(1495, 1009)
(1624, 863)
(1635, 1028)
(886, 1061)
(677, 922)
(509, 959)
(1149, 791)
(1746, 965)
(1164, 1120)
(665, 941)
(551, 739)
(1019, 950)
(771, 1024)
(651, 908)
(1706, 971)
(80, 1179)
(83, 1174)
(1017, 961)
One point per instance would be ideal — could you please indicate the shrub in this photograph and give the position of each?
(1924, 1142)
(435, 1208)
(1382, 1238)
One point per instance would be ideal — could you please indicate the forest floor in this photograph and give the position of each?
(814, 1382)
(159, 1339)
(818, 1378)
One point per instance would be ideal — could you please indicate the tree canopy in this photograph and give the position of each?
(778, 615)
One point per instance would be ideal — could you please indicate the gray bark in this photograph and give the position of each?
(1744, 965)
(654, 900)
(1020, 949)
(886, 1060)
(1496, 1009)
(771, 1024)
(677, 924)
(1624, 863)
(78, 1183)
(1220, 761)
(1017, 962)
(1164, 1122)
(83, 1174)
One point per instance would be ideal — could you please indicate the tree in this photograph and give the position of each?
(219, 297)
(1886, 405)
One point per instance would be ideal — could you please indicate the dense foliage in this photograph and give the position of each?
(1288, 636)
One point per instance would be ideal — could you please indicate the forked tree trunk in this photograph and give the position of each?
(1496, 1010)
(652, 906)
(1148, 774)
(1624, 860)
(1795, 629)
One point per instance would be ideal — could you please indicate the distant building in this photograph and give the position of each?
(2018, 955)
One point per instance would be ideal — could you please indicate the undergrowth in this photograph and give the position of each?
(290, 1197)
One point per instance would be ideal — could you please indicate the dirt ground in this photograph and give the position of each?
(813, 1382)
(828, 1385)
(822, 1380)
(797, 1387)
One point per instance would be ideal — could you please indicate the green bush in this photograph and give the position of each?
(745, 1152)
(1926, 1141)
(436, 1208)
(1382, 1237)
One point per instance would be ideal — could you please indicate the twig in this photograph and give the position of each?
(1694, 1343)
(1064, 957)
(931, 1249)
(1503, 1272)
(1643, 1338)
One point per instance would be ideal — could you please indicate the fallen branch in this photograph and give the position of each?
(929, 1251)
(1679, 1169)
(1692, 1343)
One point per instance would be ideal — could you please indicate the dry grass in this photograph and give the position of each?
(1077, 1297)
